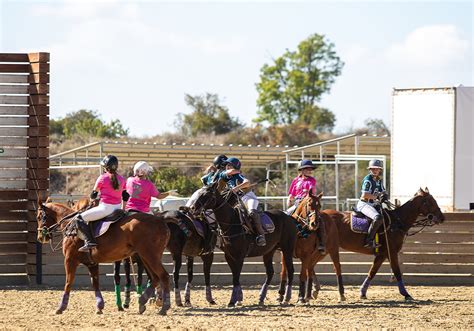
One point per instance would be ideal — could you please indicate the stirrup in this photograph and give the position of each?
(87, 247)
(260, 240)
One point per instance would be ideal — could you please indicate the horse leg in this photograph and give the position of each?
(281, 290)
(304, 273)
(70, 265)
(313, 287)
(118, 299)
(337, 268)
(158, 275)
(187, 289)
(268, 261)
(140, 269)
(373, 270)
(288, 260)
(236, 268)
(177, 258)
(94, 273)
(207, 263)
(398, 275)
(128, 282)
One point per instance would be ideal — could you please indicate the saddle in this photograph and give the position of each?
(98, 227)
(361, 223)
(186, 223)
(246, 221)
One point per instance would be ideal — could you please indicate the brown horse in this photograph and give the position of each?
(139, 233)
(309, 216)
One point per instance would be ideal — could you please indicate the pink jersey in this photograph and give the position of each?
(300, 186)
(141, 191)
(107, 193)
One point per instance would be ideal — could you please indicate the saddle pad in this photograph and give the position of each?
(359, 224)
(267, 223)
(100, 227)
(199, 227)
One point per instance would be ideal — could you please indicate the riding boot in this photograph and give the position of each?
(210, 239)
(258, 226)
(89, 240)
(321, 234)
(374, 226)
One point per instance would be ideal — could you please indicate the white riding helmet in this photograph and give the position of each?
(141, 168)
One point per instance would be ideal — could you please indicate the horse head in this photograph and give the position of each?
(45, 217)
(205, 198)
(308, 210)
(428, 207)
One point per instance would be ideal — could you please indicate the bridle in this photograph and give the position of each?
(307, 220)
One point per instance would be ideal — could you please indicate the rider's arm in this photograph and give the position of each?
(243, 185)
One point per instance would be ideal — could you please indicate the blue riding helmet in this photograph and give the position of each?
(306, 164)
(234, 162)
(375, 164)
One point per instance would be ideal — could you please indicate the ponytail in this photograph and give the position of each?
(115, 182)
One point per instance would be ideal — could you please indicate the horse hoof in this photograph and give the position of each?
(279, 299)
(231, 305)
(99, 312)
(261, 303)
(285, 303)
(141, 309)
(179, 304)
(126, 306)
(163, 310)
(59, 311)
(120, 309)
(159, 303)
(409, 298)
(342, 298)
(188, 304)
(301, 301)
(212, 303)
(238, 303)
(363, 297)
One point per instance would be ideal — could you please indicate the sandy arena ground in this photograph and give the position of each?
(434, 307)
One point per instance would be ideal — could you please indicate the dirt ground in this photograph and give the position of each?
(434, 307)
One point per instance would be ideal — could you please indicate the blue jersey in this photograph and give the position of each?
(232, 181)
(207, 179)
(372, 186)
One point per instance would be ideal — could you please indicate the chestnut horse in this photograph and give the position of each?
(308, 214)
(144, 234)
(421, 210)
(237, 244)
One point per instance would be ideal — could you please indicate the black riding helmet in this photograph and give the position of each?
(220, 161)
(110, 162)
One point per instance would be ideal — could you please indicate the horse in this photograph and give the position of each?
(309, 217)
(144, 234)
(421, 210)
(237, 244)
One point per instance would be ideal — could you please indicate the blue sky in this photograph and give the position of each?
(135, 60)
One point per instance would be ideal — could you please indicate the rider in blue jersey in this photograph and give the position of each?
(373, 191)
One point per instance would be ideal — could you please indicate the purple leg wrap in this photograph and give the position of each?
(233, 297)
(99, 300)
(402, 289)
(187, 292)
(64, 301)
(287, 293)
(263, 293)
(146, 295)
(365, 286)
(240, 294)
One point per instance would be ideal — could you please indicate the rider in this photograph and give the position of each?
(142, 189)
(111, 187)
(237, 182)
(299, 188)
(372, 190)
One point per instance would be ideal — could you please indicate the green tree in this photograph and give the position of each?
(290, 88)
(209, 116)
(172, 178)
(88, 123)
(374, 126)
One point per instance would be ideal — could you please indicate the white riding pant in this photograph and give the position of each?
(210, 217)
(367, 209)
(250, 200)
(100, 211)
(292, 209)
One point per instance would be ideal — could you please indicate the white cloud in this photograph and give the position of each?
(430, 46)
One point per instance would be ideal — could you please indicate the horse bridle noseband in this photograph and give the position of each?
(306, 220)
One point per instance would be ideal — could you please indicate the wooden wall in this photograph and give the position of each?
(24, 164)
(440, 255)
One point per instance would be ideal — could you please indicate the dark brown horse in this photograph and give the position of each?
(309, 216)
(237, 244)
(144, 234)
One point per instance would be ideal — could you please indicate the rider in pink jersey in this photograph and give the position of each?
(111, 187)
(299, 188)
(141, 189)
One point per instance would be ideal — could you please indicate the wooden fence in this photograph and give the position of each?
(24, 165)
(440, 255)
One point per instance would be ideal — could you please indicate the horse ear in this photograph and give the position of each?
(426, 190)
(48, 200)
(320, 195)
